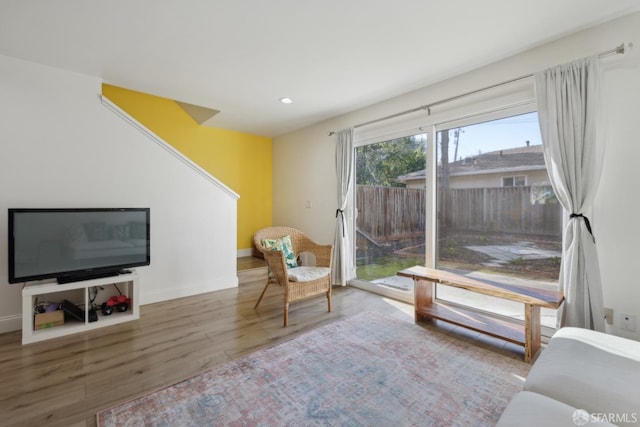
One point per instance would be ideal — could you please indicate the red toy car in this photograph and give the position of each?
(120, 302)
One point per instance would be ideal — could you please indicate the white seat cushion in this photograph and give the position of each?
(528, 409)
(590, 370)
(307, 274)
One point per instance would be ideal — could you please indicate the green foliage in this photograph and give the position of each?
(517, 261)
(385, 267)
(451, 251)
(383, 162)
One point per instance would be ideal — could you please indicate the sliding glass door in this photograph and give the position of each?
(497, 216)
(470, 196)
(391, 213)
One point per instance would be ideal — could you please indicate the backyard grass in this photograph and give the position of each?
(386, 266)
(454, 252)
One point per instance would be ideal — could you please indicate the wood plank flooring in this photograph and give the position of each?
(251, 269)
(250, 262)
(65, 381)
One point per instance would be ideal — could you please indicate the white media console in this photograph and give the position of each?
(79, 294)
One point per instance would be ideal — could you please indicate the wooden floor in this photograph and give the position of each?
(249, 262)
(65, 381)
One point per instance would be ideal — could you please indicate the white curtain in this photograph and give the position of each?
(568, 98)
(342, 264)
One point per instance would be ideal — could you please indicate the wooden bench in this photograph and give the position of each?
(527, 335)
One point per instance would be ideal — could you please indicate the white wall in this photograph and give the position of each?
(60, 147)
(310, 153)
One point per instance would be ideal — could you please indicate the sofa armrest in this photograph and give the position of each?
(590, 370)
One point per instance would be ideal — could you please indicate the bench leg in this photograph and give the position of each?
(532, 331)
(422, 296)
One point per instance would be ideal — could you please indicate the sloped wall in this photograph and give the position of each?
(60, 147)
(241, 160)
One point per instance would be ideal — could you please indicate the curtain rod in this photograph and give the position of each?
(621, 49)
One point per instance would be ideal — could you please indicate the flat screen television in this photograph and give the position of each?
(76, 244)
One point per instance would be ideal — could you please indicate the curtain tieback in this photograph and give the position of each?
(341, 212)
(586, 222)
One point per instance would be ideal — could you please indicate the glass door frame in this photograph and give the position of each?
(431, 232)
(430, 125)
(407, 297)
(432, 163)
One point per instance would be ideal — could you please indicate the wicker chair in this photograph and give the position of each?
(295, 290)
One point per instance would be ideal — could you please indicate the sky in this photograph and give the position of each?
(496, 135)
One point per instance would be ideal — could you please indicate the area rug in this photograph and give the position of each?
(366, 370)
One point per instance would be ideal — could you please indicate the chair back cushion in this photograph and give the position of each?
(284, 245)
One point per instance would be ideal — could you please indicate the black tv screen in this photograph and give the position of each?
(76, 244)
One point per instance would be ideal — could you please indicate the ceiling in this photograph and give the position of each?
(241, 56)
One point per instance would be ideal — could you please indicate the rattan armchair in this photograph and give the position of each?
(295, 290)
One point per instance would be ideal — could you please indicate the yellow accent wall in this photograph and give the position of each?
(242, 161)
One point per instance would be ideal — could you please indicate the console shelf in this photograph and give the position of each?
(78, 293)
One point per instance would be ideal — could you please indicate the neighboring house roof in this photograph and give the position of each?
(518, 159)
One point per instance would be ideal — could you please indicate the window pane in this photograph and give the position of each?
(390, 202)
(498, 218)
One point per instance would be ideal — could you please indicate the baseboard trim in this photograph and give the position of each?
(10, 323)
(244, 252)
(188, 291)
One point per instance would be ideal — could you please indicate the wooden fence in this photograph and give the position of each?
(500, 210)
(388, 213)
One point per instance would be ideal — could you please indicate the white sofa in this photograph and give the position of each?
(581, 378)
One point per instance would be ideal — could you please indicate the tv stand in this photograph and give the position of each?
(78, 293)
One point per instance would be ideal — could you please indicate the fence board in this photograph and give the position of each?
(499, 210)
(388, 213)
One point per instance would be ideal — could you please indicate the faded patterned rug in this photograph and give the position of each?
(366, 370)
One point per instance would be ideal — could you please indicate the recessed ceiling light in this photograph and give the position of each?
(286, 100)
